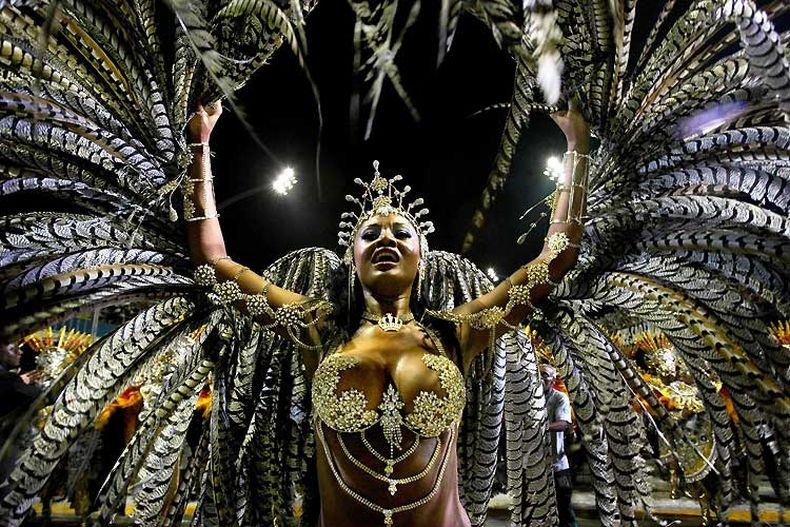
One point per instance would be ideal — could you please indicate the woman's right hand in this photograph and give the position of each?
(202, 122)
(575, 128)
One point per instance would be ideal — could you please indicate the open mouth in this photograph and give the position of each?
(385, 256)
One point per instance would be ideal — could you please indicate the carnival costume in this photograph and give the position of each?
(687, 227)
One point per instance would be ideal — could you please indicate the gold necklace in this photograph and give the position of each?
(393, 482)
(388, 322)
(378, 508)
(389, 461)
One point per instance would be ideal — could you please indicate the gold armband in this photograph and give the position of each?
(191, 213)
(576, 188)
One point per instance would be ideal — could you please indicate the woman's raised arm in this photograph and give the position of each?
(520, 295)
(273, 306)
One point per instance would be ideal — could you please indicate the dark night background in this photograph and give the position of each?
(446, 157)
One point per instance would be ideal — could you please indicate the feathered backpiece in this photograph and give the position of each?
(93, 100)
(687, 231)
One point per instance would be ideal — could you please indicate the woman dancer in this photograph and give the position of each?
(388, 393)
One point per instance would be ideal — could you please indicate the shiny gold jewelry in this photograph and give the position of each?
(388, 322)
(296, 319)
(576, 185)
(193, 219)
(218, 259)
(388, 513)
(240, 272)
(391, 419)
(259, 303)
(347, 411)
(562, 187)
(380, 197)
(228, 292)
(191, 213)
(432, 414)
(389, 463)
(392, 482)
(537, 272)
(205, 275)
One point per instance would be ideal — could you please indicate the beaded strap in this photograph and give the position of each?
(218, 259)
(388, 513)
(389, 462)
(386, 478)
(193, 219)
(294, 318)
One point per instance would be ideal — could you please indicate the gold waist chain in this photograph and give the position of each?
(388, 513)
(389, 462)
(393, 482)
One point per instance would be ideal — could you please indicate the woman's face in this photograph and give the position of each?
(387, 254)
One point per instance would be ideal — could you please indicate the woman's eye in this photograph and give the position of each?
(369, 235)
(403, 235)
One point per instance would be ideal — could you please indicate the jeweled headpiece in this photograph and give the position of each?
(381, 197)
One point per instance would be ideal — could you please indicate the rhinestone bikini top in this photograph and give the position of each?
(348, 411)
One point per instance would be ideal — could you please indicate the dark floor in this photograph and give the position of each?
(680, 512)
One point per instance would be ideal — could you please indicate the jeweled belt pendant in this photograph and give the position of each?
(393, 488)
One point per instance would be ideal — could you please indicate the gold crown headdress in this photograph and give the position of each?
(381, 197)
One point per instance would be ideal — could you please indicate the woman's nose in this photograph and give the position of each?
(387, 238)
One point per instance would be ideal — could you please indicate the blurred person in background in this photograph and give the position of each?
(558, 411)
(17, 392)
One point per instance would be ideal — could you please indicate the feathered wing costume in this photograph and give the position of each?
(688, 230)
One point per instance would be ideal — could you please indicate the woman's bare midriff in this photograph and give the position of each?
(339, 509)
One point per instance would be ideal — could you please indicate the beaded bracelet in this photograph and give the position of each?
(295, 318)
(195, 219)
(188, 187)
(578, 180)
(218, 259)
(239, 273)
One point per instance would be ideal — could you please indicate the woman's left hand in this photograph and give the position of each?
(575, 128)
(202, 122)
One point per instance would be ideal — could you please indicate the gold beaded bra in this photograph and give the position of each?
(348, 411)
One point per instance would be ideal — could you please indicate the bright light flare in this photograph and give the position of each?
(492, 274)
(710, 119)
(284, 182)
(553, 168)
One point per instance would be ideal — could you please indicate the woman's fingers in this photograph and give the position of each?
(214, 107)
